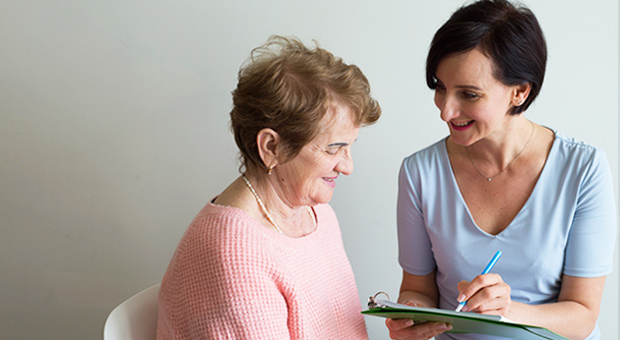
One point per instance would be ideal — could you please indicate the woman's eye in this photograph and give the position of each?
(332, 150)
(469, 95)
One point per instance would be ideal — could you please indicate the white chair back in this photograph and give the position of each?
(135, 318)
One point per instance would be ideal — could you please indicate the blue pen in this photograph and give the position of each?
(486, 270)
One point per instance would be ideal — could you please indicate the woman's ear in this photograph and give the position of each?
(268, 142)
(521, 92)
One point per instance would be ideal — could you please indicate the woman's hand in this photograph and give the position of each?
(486, 294)
(406, 329)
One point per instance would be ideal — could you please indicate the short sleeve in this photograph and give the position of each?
(414, 244)
(590, 247)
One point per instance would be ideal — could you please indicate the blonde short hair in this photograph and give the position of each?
(289, 88)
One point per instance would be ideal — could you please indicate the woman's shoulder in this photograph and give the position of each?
(571, 142)
(223, 239)
(578, 162)
(213, 215)
(433, 156)
(223, 226)
(219, 227)
(573, 150)
(432, 150)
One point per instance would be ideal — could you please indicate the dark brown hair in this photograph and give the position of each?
(509, 35)
(289, 88)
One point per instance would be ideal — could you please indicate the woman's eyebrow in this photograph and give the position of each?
(469, 87)
(337, 144)
(465, 87)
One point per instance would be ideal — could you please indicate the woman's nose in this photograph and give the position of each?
(448, 108)
(345, 165)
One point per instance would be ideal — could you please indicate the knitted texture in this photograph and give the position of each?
(232, 278)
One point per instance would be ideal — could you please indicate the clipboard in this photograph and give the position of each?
(462, 322)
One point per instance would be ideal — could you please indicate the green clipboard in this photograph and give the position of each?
(462, 322)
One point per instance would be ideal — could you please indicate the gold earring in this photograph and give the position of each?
(270, 169)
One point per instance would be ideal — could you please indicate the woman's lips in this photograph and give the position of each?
(461, 126)
(331, 181)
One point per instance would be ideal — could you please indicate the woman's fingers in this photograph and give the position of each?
(405, 329)
(487, 294)
(398, 324)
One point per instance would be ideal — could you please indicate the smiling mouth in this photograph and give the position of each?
(461, 124)
(331, 181)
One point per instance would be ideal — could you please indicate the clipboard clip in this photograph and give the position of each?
(372, 303)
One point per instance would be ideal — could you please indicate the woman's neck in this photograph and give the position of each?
(501, 149)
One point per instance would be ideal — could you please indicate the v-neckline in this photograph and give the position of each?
(533, 193)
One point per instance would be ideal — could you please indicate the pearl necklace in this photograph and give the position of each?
(508, 166)
(264, 209)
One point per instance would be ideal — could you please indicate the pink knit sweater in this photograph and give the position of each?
(232, 278)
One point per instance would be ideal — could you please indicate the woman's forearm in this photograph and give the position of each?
(420, 299)
(567, 318)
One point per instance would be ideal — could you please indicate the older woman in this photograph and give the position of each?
(265, 259)
(501, 182)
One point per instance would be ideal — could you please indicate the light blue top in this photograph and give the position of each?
(567, 226)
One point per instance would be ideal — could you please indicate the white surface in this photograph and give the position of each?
(114, 133)
(135, 318)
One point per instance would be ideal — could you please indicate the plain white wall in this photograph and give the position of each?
(114, 133)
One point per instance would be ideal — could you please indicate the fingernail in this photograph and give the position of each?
(408, 323)
(444, 326)
(409, 303)
(461, 298)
